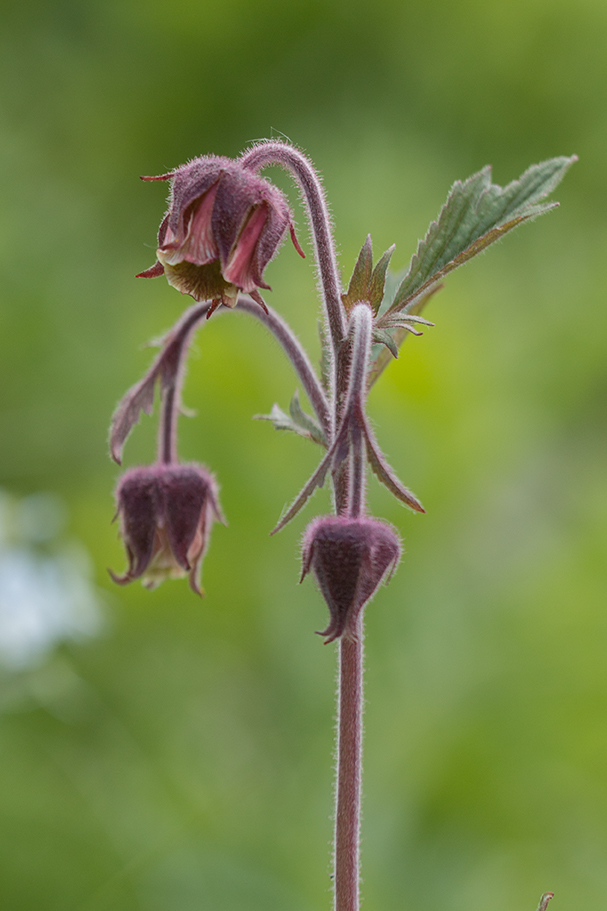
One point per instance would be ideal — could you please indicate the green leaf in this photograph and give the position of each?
(367, 284)
(476, 214)
(297, 422)
(358, 289)
(378, 280)
(304, 421)
(383, 337)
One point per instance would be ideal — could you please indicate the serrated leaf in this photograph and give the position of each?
(282, 421)
(378, 280)
(358, 289)
(279, 418)
(297, 422)
(476, 214)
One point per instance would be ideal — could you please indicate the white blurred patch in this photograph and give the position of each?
(46, 593)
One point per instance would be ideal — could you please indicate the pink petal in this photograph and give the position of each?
(238, 270)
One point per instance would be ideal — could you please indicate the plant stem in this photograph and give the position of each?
(279, 153)
(167, 428)
(172, 360)
(349, 771)
(361, 329)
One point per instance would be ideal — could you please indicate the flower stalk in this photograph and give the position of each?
(224, 224)
(280, 153)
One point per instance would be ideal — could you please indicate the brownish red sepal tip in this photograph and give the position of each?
(159, 177)
(214, 305)
(296, 242)
(119, 580)
(153, 272)
(256, 296)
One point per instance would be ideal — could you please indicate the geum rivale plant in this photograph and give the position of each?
(223, 225)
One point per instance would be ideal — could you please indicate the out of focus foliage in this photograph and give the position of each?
(181, 758)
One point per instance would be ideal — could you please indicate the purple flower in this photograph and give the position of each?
(166, 513)
(223, 226)
(349, 558)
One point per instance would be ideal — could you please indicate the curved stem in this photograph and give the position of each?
(299, 359)
(349, 771)
(279, 153)
(173, 362)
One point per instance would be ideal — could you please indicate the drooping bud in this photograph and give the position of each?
(166, 513)
(223, 226)
(349, 558)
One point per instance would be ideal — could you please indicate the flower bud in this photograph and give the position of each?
(349, 558)
(166, 513)
(223, 226)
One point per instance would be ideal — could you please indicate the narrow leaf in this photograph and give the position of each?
(358, 289)
(317, 480)
(378, 280)
(383, 337)
(139, 397)
(382, 470)
(476, 214)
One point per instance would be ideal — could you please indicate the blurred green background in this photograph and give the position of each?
(162, 753)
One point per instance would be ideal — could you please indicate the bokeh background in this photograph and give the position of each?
(158, 752)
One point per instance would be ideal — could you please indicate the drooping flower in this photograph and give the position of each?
(166, 513)
(223, 226)
(349, 558)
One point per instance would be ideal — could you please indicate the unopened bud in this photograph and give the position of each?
(349, 558)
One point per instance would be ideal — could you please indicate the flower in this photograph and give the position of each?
(223, 226)
(349, 558)
(166, 513)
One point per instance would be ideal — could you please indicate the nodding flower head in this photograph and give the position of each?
(166, 513)
(349, 558)
(223, 226)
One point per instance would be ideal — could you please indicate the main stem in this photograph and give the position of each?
(350, 713)
(349, 759)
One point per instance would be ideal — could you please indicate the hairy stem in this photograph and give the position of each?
(349, 769)
(167, 428)
(172, 381)
(360, 332)
(279, 153)
(299, 360)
